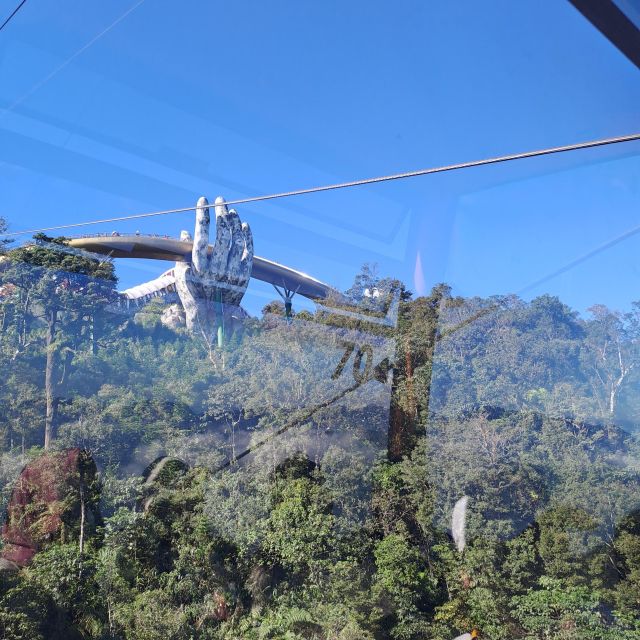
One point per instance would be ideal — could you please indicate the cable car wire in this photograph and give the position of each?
(6, 22)
(72, 57)
(352, 183)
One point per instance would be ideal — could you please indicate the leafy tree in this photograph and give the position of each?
(612, 354)
(4, 241)
(556, 610)
(65, 290)
(269, 520)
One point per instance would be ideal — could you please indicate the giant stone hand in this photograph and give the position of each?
(215, 279)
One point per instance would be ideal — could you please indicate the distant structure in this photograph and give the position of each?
(209, 280)
(287, 298)
(214, 280)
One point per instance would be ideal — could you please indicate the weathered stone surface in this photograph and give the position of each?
(55, 495)
(173, 317)
(212, 286)
(7, 566)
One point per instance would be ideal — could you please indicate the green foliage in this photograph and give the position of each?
(335, 529)
(556, 610)
(404, 582)
(26, 614)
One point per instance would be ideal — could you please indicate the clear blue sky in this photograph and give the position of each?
(180, 99)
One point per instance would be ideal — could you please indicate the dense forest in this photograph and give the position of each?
(473, 464)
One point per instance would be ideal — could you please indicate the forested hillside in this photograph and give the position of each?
(300, 482)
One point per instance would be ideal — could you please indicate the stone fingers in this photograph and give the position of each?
(237, 249)
(246, 262)
(223, 272)
(200, 251)
(222, 246)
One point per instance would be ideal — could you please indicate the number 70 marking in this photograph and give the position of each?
(361, 374)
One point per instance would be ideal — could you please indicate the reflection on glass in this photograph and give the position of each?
(408, 466)
(405, 411)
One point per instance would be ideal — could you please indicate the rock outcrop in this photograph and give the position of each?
(55, 498)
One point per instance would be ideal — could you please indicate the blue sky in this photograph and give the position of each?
(182, 99)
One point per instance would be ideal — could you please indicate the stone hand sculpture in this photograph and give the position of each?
(216, 278)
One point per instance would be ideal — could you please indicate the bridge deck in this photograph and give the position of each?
(171, 249)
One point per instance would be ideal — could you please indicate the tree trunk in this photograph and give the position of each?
(411, 355)
(49, 383)
(612, 402)
(402, 418)
(82, 517)
(93, 338)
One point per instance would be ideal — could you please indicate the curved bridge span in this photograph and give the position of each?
(173, 250)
